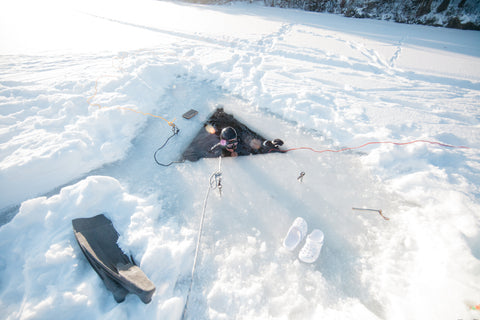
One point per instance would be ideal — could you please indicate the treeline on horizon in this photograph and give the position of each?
(459, 14)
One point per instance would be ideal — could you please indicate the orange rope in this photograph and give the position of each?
(93, 96)
(170, 123)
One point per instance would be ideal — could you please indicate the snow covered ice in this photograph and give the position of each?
(71, 72)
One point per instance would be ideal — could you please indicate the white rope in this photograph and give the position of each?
(214, 183)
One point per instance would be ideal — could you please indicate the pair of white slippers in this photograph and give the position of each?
(313, 243)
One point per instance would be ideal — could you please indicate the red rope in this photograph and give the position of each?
(376, 142)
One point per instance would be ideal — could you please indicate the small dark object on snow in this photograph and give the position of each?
(190, 114)
(97, 238)
(207, 142)
(300, 177)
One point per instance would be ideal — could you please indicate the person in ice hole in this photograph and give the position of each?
(228, 142)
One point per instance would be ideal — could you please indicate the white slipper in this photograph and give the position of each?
(296, 233)
(313, 245)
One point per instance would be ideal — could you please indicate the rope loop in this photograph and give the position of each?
(175, 131)
(216, 181)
